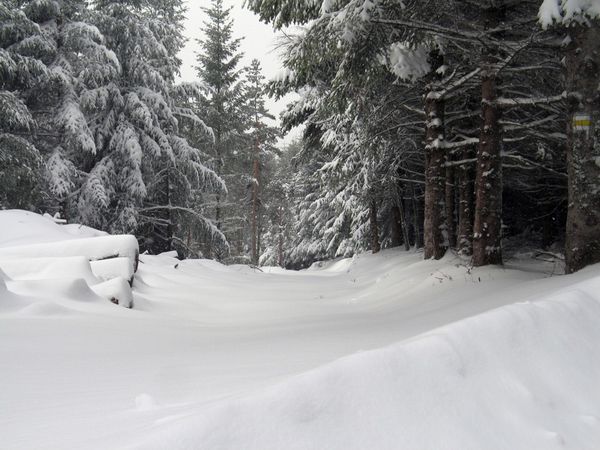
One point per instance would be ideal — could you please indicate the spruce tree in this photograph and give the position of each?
(222, 107)
(144, 173)
(24, 53)
(263, 138)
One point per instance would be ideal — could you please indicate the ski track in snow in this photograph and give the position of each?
(222, 357)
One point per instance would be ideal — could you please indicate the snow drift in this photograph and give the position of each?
(374, 352)
(523, 376)
(36, 250)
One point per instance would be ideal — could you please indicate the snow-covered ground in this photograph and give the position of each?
(375, 352)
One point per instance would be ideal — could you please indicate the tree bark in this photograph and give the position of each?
(375, 245)
(403, 223)
(433, 239)
(280, 260)
(417, 220)
(464, 179)
(255, 203)
(450, 205)
(396, 227)
(434, 242)
(487, 228)
(583, 152)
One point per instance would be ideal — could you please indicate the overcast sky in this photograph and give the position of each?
(259, 42)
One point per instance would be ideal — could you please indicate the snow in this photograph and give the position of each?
(96, 248)
(377, 351)
(567, 11)
(406, 62)
(24, 227)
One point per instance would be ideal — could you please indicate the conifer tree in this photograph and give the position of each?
(24, 53)
(221, 107)
(263, 138)
(144, 172)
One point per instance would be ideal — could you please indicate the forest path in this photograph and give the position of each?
(201, 332)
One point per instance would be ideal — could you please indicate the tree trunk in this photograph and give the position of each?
(280, 244)
(487, 228)
(434, 242)
(255, 203)
(403, 223)
(375, 246)
(417, 220)
(396, 227)
(464, 179)
(583, 151)
(450, 205)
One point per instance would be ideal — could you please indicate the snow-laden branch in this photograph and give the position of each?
(512, 126)
(532, 163)
(437, 95)
(507, 102)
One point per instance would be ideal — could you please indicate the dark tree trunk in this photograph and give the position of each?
(396, 227)
(403, 223)
(161, 238)
(583, 151)
(464, 179)
(487, 228)
(255, 241)
(417, 220)
(450, 205)
(434, 242)
(375, 246)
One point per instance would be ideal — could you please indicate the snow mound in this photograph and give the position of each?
(116, 290)
(529, 370)
(42, 259)
(48, 268)
(24, 227)
(96, 248)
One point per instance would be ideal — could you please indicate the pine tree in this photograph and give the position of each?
(221, 107)
(264, 138)
(24, 53)
(144, 172)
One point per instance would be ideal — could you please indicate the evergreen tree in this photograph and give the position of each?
(24, 53)
(221, 107)
(141, 160)
(264, 138)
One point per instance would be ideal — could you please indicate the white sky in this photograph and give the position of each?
(259, 42)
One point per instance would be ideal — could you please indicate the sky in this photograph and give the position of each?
(259, 42)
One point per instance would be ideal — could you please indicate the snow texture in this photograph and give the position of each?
(567, 11)
(378, 351)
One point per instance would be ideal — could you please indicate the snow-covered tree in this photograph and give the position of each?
(144, 172)
(23, 54)
(263, 137)
(580, 20)
(221, 107)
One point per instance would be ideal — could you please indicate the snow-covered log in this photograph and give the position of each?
(94, 249)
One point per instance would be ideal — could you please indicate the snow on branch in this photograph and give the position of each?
(507, 102)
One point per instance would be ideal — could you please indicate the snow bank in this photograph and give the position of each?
(48, 268)
(96, 248)
(214, 357)
(116, 290)
(108, 269)
(523, 376)
(53, 260)
(24, 227)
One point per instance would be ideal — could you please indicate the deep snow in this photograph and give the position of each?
(215, 357)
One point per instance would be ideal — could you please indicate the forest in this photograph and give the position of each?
(436, 125)
(300, 224)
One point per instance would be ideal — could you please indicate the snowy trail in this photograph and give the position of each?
(99, 376)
